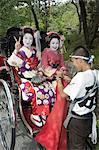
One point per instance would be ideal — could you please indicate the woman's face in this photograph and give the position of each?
(27, 40)
(54, 44)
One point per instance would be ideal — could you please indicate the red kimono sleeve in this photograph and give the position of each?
(53, 135)
(44, 58)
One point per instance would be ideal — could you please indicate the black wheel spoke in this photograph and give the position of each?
(7, 118)
(3, 139)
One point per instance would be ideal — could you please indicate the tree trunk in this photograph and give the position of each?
(46, 15)
(79, 16)
(94, 25)
(29, 3)
(89, 33)
(35, 18)
(84, 21)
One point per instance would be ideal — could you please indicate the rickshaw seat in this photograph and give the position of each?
(16, 76)
(25, 107)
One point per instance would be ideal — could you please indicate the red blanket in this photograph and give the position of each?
(53, 135)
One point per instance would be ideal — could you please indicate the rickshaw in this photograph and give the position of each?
(11, 105)
(10, 100)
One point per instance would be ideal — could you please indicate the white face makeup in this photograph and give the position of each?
(27, 40)
(54, 44)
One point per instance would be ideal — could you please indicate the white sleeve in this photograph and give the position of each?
(98, 77)
(14, 60)
(96, 72)
(75, 86)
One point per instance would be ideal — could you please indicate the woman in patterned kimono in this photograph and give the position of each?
(25, 59)
(53, 134)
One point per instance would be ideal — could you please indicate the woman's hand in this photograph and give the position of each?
(59, 73)
(66, 78)
(17, 44)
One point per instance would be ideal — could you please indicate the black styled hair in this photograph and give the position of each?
(81, 51)
(54, 35)
(50, 37)
(28, 30)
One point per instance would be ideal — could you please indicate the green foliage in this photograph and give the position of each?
(7, 15)
(95, 52)
(91, 9)
(97, 146)
(11, 15)
(59, 17)
(63, 17)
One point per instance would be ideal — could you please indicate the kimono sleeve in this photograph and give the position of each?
(45, 58)
(14, 60)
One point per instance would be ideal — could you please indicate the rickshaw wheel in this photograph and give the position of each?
(7, 117)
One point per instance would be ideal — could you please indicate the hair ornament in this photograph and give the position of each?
(50, 35)
(91, 58)
(26, 29)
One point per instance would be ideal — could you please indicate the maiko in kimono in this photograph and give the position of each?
(53, 134)
(26, 59)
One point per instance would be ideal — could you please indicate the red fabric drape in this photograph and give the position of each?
(53, 135)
